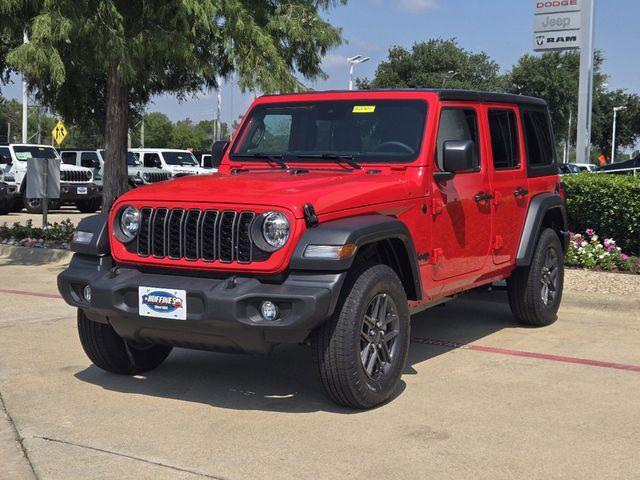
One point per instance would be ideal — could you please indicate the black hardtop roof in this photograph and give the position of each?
(448, 95)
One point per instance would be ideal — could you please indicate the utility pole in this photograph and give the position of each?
(613, 138)
(142, 132)
(218, 128)
(353, 61)
(8, 132)
(585, 93)
(25, 97)
(567, 142)
(39, 123)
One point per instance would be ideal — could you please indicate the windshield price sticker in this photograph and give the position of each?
(364, 108)
(23, 155)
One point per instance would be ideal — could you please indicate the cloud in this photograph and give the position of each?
(333, 60)
(364, 45)
(416, 6)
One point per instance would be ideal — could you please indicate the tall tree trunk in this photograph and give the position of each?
(116, 131)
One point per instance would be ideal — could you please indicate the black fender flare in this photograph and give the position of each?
(539, 206)
(360, 231)
(98, 244)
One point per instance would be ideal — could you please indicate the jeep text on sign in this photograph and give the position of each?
(557, 21)
(556, 6)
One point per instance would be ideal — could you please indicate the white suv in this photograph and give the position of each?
(76, 183)
(94, 159)
(177, 162)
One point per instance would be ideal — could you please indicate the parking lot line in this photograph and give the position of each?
(31, 294)
(522, 353)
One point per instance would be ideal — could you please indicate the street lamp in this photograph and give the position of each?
(353, 61)
(446, 76)
(613, 140)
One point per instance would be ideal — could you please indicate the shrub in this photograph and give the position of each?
(610, 204)
(587, 251)
(57, 232)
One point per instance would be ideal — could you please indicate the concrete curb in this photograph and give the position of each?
(35, 256)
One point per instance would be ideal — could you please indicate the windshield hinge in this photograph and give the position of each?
(310, 216)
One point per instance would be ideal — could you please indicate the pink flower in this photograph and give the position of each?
(590, 231)
(624, 257)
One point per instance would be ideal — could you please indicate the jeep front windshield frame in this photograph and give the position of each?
(366, 131)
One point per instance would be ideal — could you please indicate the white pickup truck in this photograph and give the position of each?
(76, 183)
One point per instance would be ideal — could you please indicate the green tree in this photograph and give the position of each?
(436, 64)
(105, 58)
(628, 121)
(187, 135)
(158, 131)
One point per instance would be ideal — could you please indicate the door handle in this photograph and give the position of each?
(520, 192)
(483, 197)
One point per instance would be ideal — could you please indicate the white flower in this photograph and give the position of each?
(584, 244)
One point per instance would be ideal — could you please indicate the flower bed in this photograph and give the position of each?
(587, 251)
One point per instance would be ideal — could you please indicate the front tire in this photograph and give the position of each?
(109, 351)
(535, 292)
(362, 350)
(89, 206)
(33, 205)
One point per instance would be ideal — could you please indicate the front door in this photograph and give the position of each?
(461, 206)
(509, 180)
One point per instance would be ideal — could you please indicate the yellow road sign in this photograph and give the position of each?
(59, 132)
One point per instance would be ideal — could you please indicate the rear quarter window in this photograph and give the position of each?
(539, 140)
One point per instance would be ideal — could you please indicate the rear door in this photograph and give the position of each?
(508, 180)
(461, 220)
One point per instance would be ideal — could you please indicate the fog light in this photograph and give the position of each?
(269, 310)
(87, 293)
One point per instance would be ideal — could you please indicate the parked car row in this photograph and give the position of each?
(628, 167)
(82, 171)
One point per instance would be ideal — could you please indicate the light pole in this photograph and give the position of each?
(613, 139)
(353, 61)
(447, 76)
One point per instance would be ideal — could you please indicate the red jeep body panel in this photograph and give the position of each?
(460, 242)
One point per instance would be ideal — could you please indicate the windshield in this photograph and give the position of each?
(179, 158)
(133, 160)
(26, 152)
(363, 130)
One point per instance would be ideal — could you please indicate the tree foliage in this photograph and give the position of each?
(436, 64)
(102, 60)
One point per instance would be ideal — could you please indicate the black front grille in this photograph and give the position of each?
(208, 235)
(75, 176)
(155, 177)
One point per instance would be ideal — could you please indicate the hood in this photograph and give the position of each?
(328, 191)
(73, 168)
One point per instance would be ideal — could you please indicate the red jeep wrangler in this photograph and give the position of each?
(333, 217)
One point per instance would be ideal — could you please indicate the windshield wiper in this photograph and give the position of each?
(279, 159)
(348, 159)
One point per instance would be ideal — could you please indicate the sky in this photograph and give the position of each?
(501, 28)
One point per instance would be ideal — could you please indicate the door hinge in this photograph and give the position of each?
(496, 198)
(437, 206)
(310, 217)
(436, 256)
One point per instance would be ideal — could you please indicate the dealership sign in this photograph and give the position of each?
(557, 24)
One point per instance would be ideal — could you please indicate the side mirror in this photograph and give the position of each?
(459, 156)
(5, 160)
(157, 163)
(217, 152)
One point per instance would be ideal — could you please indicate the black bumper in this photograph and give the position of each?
(222, 313)
(7, 192)
(72, 192)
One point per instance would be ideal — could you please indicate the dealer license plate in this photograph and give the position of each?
(82, 190)
(162, 303)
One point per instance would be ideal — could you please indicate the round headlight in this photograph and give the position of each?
(145, 177)
(275, 229)
(130, 221)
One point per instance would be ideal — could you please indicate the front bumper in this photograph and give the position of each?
(222, 313)
(72, 192)
(7, 191)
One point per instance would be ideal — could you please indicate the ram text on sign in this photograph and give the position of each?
(555, 6)
(556, 40)
(557, 21)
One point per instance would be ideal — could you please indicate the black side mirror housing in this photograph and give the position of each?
(5, 160)
(217, 152)
(459, 156)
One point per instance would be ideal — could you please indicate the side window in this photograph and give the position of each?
(5, 155)
(68, 157)
(538, 138)
(457, 124)
(88, 159)
(505, 144)
(152, 160)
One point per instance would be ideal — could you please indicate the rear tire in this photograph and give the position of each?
(362, 350)
(109, 351)
(33, 205)
(535, 292)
